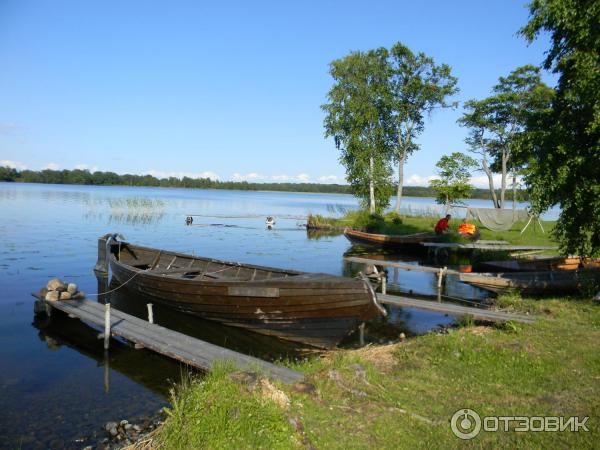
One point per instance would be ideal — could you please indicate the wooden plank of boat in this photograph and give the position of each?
(291, 305)
(384, 240)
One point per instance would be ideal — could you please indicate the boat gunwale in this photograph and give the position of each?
(298, 277)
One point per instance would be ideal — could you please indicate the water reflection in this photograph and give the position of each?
(418, 284)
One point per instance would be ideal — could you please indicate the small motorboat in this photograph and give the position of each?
(270, 222)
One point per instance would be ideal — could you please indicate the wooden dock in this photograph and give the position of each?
(487, 246)
(453, 309)
(399, 265)
(189, 350)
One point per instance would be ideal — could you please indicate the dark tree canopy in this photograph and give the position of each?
(564, 142)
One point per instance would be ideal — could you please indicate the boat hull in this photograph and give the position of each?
(532, 283)
(315, 309)
(411, 242)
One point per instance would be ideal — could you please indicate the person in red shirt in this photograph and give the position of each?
(442, 225)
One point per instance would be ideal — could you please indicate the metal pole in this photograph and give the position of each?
(150, 314)
(106, 325)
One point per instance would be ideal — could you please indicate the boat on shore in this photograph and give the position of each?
(541, 264)
(312, 308)
(400, 242)
(533, 283)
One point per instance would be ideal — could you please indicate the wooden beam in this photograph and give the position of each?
(189, 350)
(457, 310)
(398, 265)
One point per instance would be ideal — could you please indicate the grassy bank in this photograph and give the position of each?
(391, 223)
(403, 395)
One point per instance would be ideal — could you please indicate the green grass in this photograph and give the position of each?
(403, 395)
(216, 412)
(391, 223)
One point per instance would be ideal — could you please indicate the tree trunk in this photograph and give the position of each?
(400, 179)
(503, 184)
(514, 189)
(488, 172)
(371, 185)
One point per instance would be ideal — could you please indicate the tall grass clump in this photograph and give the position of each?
(216, 412)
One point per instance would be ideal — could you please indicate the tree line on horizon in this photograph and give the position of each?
(99, 178)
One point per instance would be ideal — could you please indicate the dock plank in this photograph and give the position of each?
(192, 351)
(453, 309)
(487, 246)
(398, 265)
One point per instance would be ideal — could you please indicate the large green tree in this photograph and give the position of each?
(496, 124)
(358, 118)
(564, 142)
(417, 87)
(454, 179)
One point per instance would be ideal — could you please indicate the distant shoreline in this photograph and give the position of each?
(83, 177)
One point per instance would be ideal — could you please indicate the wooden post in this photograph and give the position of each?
(440, 275)
(361, 334)
(106, 325)
(150, 314)
(395, 275)
(106, 373)
(383, 282)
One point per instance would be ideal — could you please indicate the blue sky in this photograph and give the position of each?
(227, 89)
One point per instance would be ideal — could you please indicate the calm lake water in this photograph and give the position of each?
(53, 373)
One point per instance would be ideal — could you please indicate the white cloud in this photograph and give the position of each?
(163, 174)
(92, 169)
(419, 180)
(252, 176)
(281, 178)
(302, 178)
(12, 164)
(52, 166)
(329, 179)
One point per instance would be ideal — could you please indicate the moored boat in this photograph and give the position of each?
(406, 241)
(541, 264)
(533, 283)
(312, 308)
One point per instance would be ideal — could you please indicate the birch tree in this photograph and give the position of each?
(497, 122)
(357, 117)
(417, 87)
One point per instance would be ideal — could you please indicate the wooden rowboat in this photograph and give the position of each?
(313, 308)
(541, 264)
(533, 283)
(406, 241)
